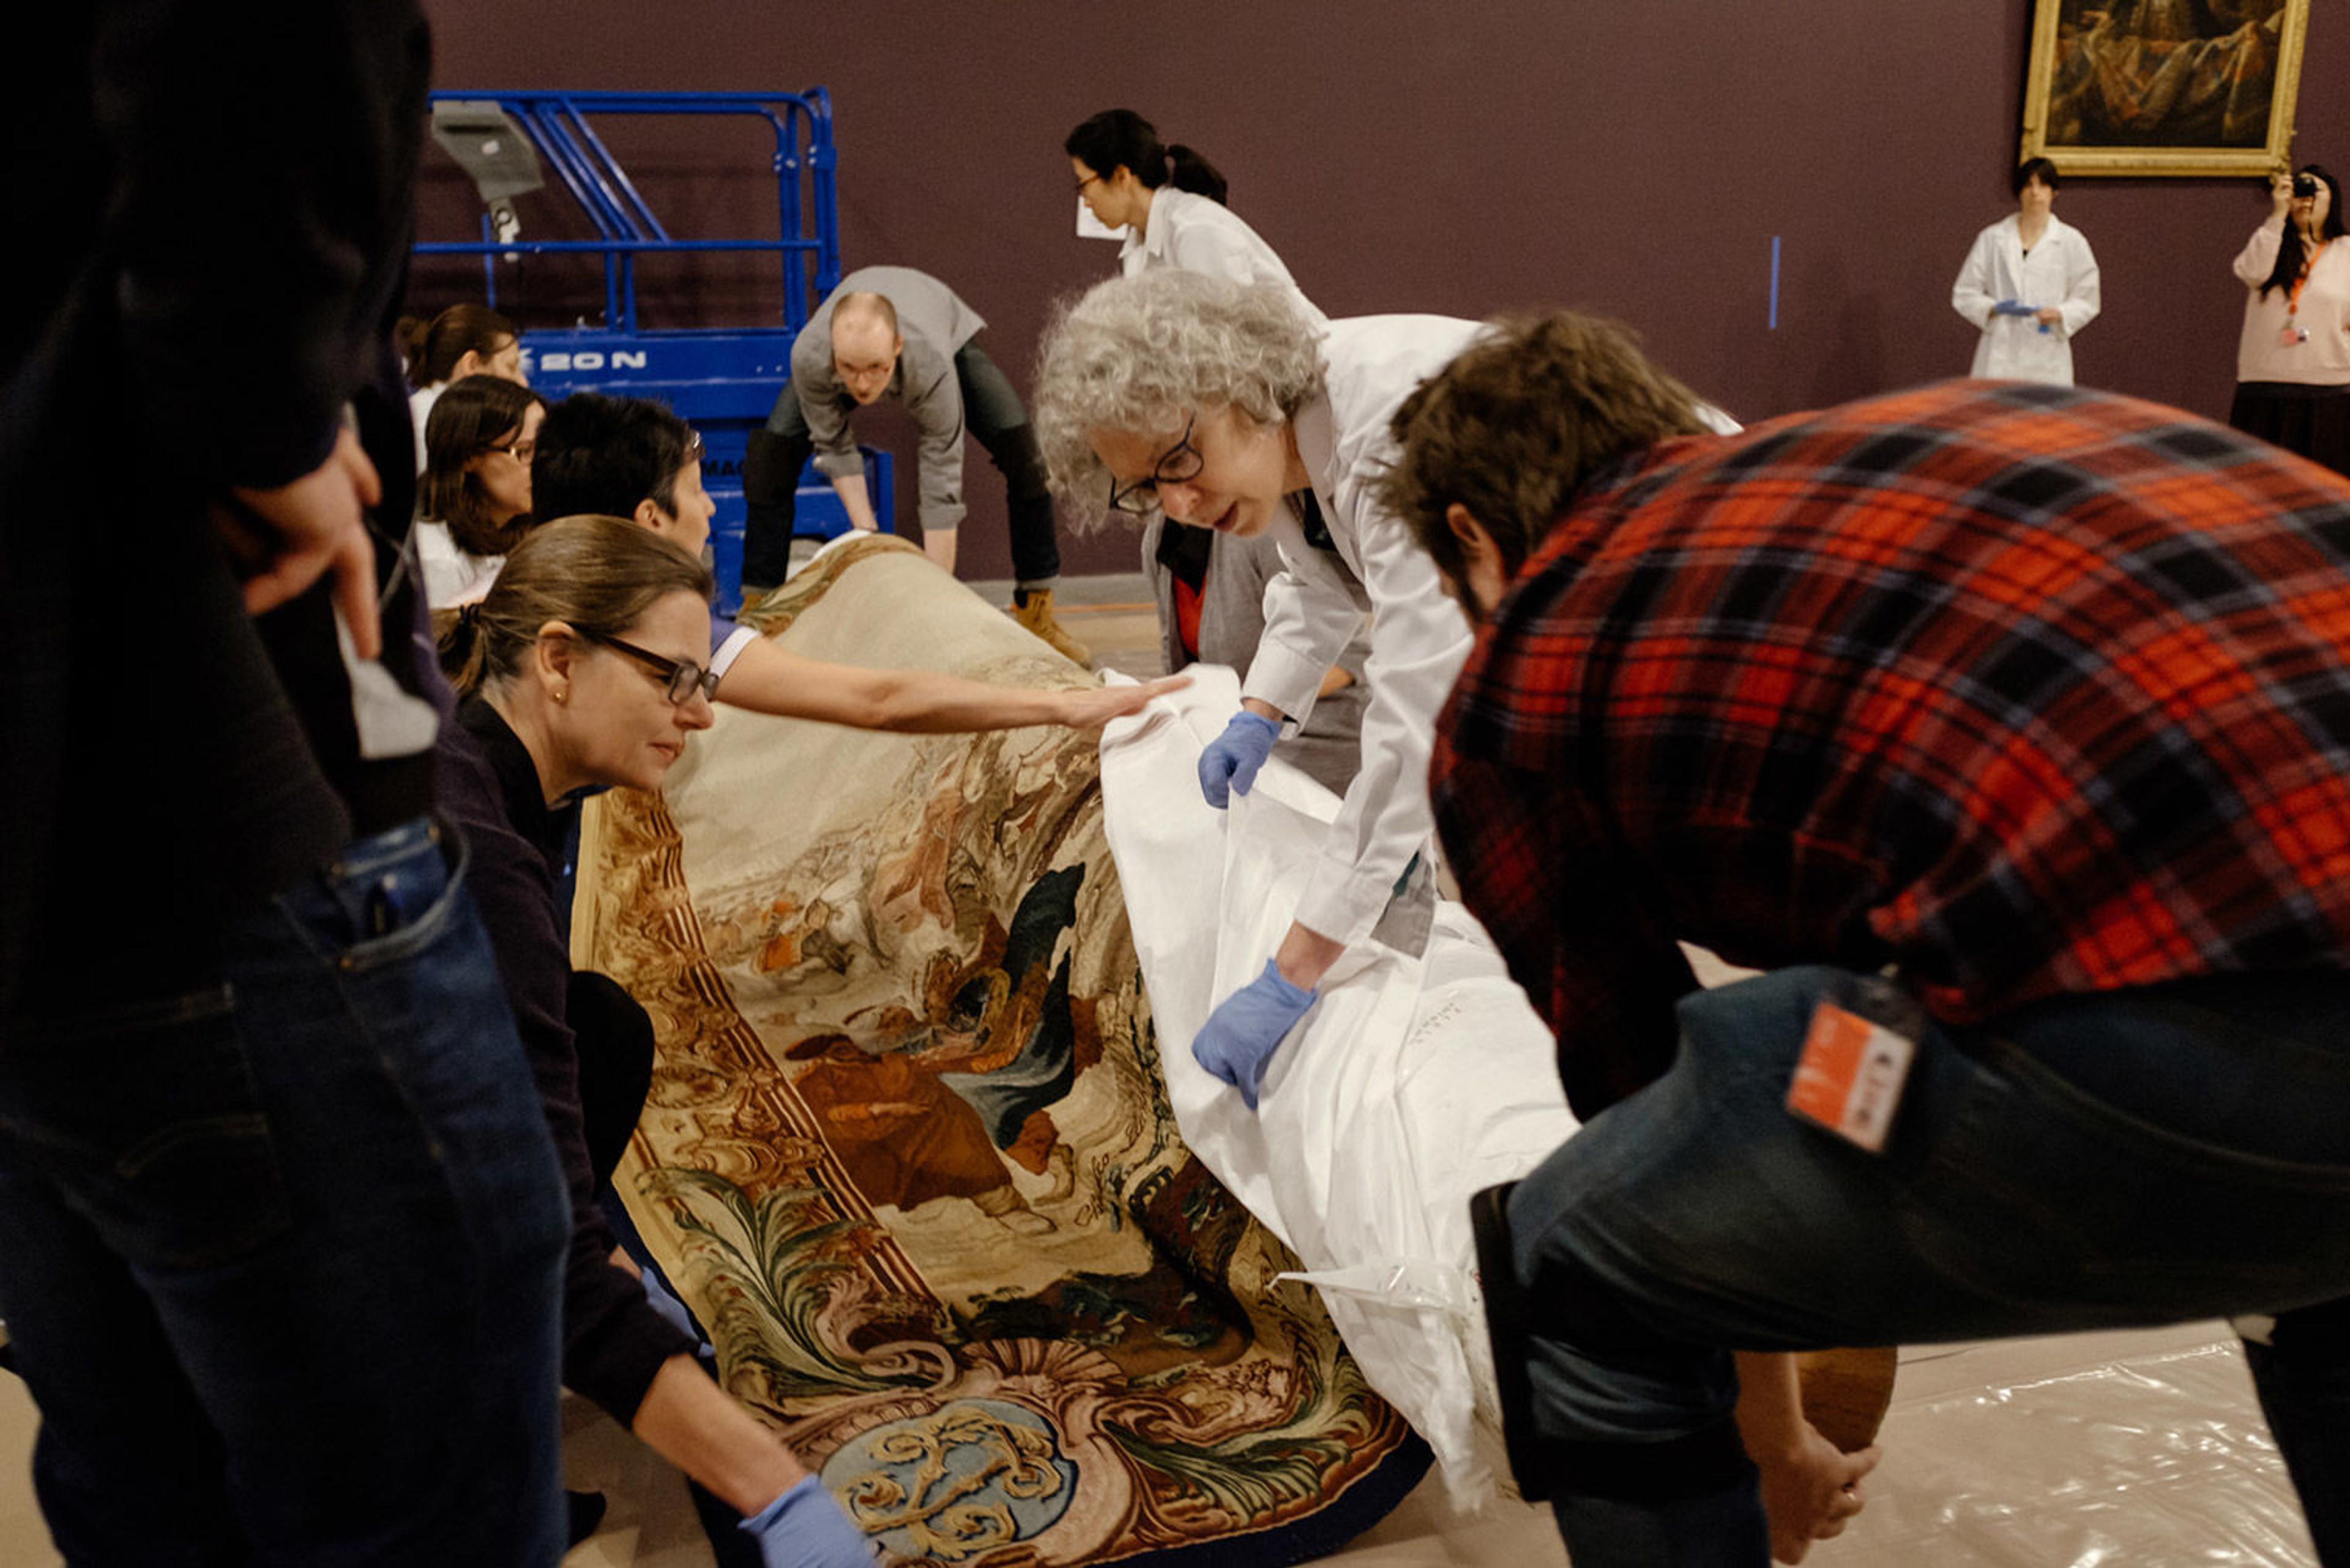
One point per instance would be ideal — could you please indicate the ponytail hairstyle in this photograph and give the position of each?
(596, 574)
(1120, 138)
(2287, 271)
(433, 347)
(470, 418)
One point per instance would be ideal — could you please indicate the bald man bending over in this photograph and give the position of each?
(892, 332)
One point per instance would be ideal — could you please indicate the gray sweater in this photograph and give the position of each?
(935, 323)
(1232, 617)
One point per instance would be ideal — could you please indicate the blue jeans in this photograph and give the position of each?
(2131, 1158)
(281, 1257)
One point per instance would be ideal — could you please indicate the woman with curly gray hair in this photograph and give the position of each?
(1211, 402)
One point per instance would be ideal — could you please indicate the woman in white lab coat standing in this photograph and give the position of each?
(1170, 202)
(1209, 587)
(2029, 285)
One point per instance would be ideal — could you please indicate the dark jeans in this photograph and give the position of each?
(281, 1256)
(992, 410)
(2131, 1158)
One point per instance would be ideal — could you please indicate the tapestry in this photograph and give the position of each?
(909, 1155)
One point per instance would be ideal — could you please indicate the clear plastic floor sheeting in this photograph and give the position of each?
(2120, 1449)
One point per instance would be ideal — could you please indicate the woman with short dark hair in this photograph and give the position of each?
(2029, 285)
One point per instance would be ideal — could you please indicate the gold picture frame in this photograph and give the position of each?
(2150, 87)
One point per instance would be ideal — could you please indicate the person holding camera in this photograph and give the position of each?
(2029, 283)
(2293, 363)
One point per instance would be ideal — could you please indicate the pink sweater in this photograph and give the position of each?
(2260, 356)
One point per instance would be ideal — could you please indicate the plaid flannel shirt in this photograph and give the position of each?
(2029, 690)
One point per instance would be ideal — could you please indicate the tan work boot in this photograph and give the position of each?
(1036, 616)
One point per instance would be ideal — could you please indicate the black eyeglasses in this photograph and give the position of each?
(1085, 182)
(522, 452)
(1178, 463)
(680, 679)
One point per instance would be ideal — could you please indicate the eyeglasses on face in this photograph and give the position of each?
(680, 679)
(522, 452)
(1178, 463)
(1085, 182)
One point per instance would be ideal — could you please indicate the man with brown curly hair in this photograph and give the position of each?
(2007, 728)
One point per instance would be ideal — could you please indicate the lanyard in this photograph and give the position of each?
(2293, 305)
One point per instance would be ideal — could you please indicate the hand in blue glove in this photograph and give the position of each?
(805, 1528)
(1239, 1039)
(2010, 307)
(1228, 765)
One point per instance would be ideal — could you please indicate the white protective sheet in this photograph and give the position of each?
(1414, 1082)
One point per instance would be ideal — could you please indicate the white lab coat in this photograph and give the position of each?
(2061, 271)
(1419, 638)
(420, 409)
(452, 576)
(1194, 234)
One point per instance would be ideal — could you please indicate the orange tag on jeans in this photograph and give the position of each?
(1851, 1076)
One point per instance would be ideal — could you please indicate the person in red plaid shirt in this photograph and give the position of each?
(2007, 728)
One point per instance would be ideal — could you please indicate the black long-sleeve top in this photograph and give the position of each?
(613, 1340)
(223, 199)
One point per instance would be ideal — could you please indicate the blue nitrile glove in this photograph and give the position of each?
(1239, 1039)
(805, 1528)
(2010, 307)
(1228, 765)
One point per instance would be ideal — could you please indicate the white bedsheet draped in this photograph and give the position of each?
(1415, 1081)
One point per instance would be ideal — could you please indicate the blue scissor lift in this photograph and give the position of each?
(722, 380)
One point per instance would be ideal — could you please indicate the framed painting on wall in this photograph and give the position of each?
(2163, 87)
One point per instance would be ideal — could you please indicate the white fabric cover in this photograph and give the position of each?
(1413, 1083)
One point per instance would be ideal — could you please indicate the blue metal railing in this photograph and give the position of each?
(557, 126)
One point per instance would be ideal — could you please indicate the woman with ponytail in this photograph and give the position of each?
(463, 341)
(1209, 588)
(581, 669)
(1170, 202)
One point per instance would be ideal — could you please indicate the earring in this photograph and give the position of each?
(561, 692)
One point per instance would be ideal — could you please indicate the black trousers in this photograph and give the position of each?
(614, 1039)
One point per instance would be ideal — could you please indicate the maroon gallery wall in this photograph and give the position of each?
(1634, 159)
